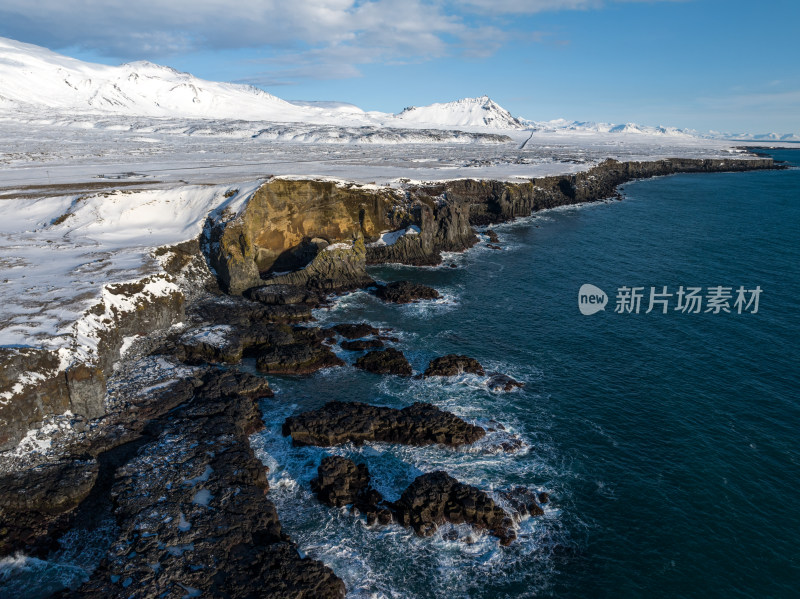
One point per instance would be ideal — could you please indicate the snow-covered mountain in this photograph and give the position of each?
(38, 84)
(469, 112)
(590, 127)
(783, 137)
(34, 79)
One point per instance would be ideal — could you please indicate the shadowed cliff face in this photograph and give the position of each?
(285, 224)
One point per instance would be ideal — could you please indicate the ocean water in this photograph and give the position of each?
(670, 443)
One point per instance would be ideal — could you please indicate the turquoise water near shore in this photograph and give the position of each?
(669, 442)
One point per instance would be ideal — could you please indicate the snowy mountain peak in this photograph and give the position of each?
(467, 112)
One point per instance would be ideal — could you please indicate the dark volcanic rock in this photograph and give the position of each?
(452, 365)
(232, 383)
(405, 292)
(281, 295)
(523, 501)
(362, 344)
(387, 361)
(493, 238)
(232, 310)
(192, 513)
(493, 246)
(30, 500)
(296, 358)
(502, 382)
(435, 498)
(355, 331)
(419, 424)
(341, 482)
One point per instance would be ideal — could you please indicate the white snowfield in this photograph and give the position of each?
(58, 256)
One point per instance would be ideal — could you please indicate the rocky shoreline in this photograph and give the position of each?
(159, 437)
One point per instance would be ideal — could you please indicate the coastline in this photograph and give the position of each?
(445, 215)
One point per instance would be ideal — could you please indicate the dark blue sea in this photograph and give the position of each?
(670, 443)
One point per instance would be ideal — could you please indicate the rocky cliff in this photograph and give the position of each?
(36, 382)
(287, 223)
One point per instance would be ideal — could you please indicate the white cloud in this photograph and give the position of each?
(128, 29)
(310, 38)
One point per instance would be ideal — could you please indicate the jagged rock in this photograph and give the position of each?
(233, 383)
(405, 292)
(355, 331)
(387, 361)
(362, 344)
(502, 382)
(192, 501)
(435, 498)
(544, 497)
(233, 310)
(296, 358)
(341, 482)
(281, 295)
(493, 246)
(211, 344)
(443, 227)
(36, 383)
(30, 500)
(452, 365)
(493, 238)
(354, 422)
(523, 501)
(229, 343)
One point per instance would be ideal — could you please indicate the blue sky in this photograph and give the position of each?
(728, 65)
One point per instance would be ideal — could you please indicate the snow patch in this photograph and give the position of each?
(391, 237)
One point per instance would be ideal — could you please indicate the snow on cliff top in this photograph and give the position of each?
(58, 254)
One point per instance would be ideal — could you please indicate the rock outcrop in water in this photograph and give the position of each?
(354, 422)
(341, 482)
(503, 382)
(386, 361)
(406, 292)
(452, 365)
(435, 498)
(431, 500)
(362, 344)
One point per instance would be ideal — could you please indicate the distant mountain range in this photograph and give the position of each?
(36, 82)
